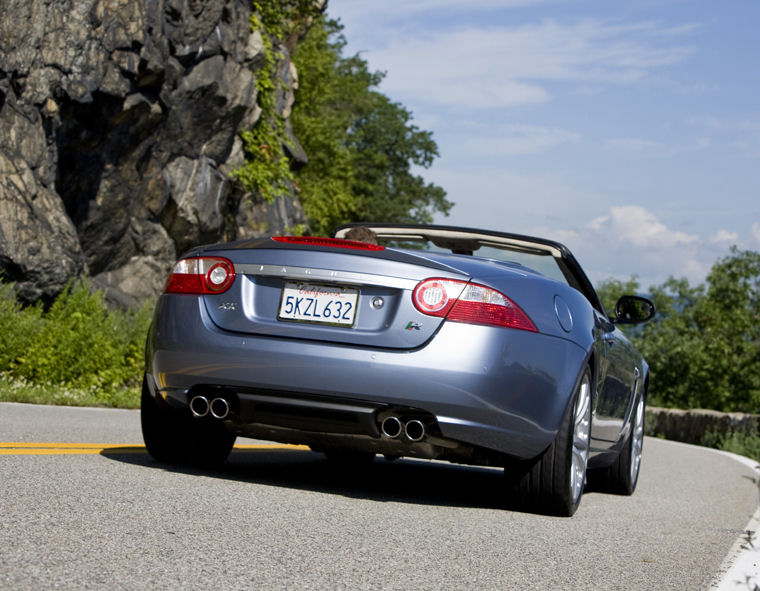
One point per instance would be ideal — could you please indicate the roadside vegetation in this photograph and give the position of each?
(739, 442)
(703, 347)
(77, 352)
(362, 147)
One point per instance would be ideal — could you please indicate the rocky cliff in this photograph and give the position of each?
(120, 127)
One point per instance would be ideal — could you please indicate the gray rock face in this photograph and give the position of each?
(119, 131)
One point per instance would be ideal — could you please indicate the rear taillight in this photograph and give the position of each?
(201, 275)
(333, 242)
(435, 297)
(460, 301)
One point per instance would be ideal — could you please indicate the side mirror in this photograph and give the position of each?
(633, 310)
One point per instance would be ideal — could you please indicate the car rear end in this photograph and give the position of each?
(350, 346)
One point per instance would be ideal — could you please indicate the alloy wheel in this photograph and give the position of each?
(581, 433)
(637, 440)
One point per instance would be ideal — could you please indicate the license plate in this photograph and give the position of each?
(323, 304)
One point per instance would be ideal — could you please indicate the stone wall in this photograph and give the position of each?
(120, 127)
(689, 426)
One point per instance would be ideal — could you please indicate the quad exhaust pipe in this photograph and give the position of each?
(218, 408)
(414, 430)
(393, 428)
(199, 406)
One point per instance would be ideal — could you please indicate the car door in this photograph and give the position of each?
(618, 378)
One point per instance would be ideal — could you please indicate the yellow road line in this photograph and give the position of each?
(66, 452)
(53, 449)
(272, 446)
(51, 445)
(48, 448)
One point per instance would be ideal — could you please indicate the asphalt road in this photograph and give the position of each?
(286, 519)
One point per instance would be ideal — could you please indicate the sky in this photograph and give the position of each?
(629, 131)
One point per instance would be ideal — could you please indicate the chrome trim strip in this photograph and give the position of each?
(307, 274)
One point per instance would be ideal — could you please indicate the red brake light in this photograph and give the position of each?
(334, 242)
(460, 301)
(201, 275)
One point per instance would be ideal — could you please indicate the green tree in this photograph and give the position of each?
(267, 169)
(331, 91)
(671, 344)
(610, 290)
(728, 317)
(386, 144)
(703, 347)
(361, 145)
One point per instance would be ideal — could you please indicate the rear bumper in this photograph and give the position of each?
(503, 390)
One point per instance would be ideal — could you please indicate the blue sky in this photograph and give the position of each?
(630, 131)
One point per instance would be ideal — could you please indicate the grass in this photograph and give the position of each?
(15, 389)
(78, 351)
(739, 442)
(744, 442)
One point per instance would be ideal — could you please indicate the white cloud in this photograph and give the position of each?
(636, 226)
(722, 124)
(483, 94)
(657, 149)
(623, 241)
(517, 139)
(756, 232)
(402, 10)
(630, 240)
(724, 237)
(509, 200)
(633, 145)
(743, 135)
(501, 66)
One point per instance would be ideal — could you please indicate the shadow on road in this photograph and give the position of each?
(404, 480)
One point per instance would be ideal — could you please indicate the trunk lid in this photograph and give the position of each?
(324, 293)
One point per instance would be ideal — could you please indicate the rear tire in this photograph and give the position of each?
(622, 476)
(553, 483)
(173, 437)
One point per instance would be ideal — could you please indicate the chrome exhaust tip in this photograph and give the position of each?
(391, 427)
(220, 408)
(414, 430)
(199, 406)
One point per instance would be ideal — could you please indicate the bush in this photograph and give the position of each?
(743, 443)
(20, 327)
(704, 344)
(79, 344)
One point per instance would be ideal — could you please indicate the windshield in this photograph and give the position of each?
(550, 258)
(538, 261)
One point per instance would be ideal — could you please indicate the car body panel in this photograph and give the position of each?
(495, 390)
(620, 374)
(489, 392)
(252, 304)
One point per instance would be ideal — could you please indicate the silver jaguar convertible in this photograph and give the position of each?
(435, 342)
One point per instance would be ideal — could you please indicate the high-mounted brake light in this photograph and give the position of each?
(334, 242)
(471, 303)
(201, 275)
